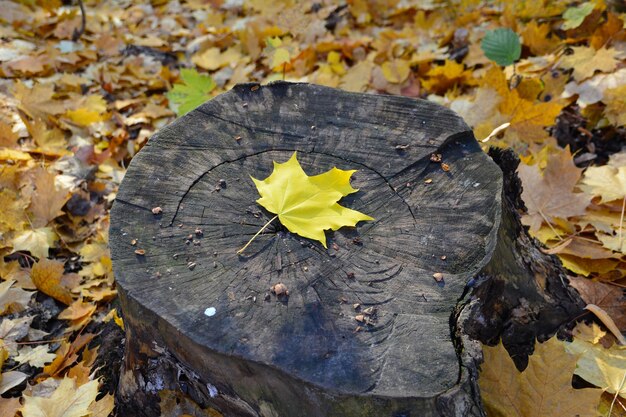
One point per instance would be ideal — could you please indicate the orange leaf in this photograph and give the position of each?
(46, 275)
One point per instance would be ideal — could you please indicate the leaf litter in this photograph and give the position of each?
(75, 111)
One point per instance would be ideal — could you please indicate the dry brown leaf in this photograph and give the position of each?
(608, 297)
(47, 275)
(47, 201)
(9, 406)
(552, 194)
(543, 389)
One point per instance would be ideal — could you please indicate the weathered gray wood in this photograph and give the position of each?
(305, 354)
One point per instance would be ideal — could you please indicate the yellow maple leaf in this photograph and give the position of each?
(91, 110)
(585, 61)
(307, 205)
(36, 241)
(67, 400)
(544, 388)
(608, 182)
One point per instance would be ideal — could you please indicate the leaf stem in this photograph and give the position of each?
(257, 233)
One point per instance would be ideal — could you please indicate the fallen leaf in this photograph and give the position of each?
(607, 182)
(585, 61)
(47, 201)
(11, 379)
(608, 297)
(543, 389)
(615, 110)
(13, 299)
(551, 194)
(37, 241)
(37, 356)
(308, 205)
(67, 400)
(193, 92)
(574, 16)
(9, 406)
(604, 368)
(396, 71)
(47, 275)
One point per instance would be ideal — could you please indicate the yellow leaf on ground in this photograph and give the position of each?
(91, 110)
(308, 205)
(615, 100)
(49, 140)
(585, 61)
(14, 155)
(587, 267)
(543, 389)
(47, 275)
(67, 400)
(604, 368)
(38, 102)
(103, 407)
(357, 77)
(213, 59)
(396, 71)
(608, 182)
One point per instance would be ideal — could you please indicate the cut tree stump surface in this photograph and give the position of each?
(307, 354)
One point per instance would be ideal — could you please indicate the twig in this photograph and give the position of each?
(83, 22)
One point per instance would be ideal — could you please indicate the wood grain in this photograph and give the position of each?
(305, 354)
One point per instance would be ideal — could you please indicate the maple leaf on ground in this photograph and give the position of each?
(585, 61)
(37, 241)
(552, 194)
(543, 389)
(46, 203)
(67, 400)
(607, 182)
(307, 205)
(37, 356)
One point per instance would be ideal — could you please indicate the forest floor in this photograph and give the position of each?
(76, 105)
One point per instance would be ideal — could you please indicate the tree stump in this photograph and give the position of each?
(376, 325)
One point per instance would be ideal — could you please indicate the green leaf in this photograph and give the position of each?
(193, 92)
(574, 16)
(502, 46)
